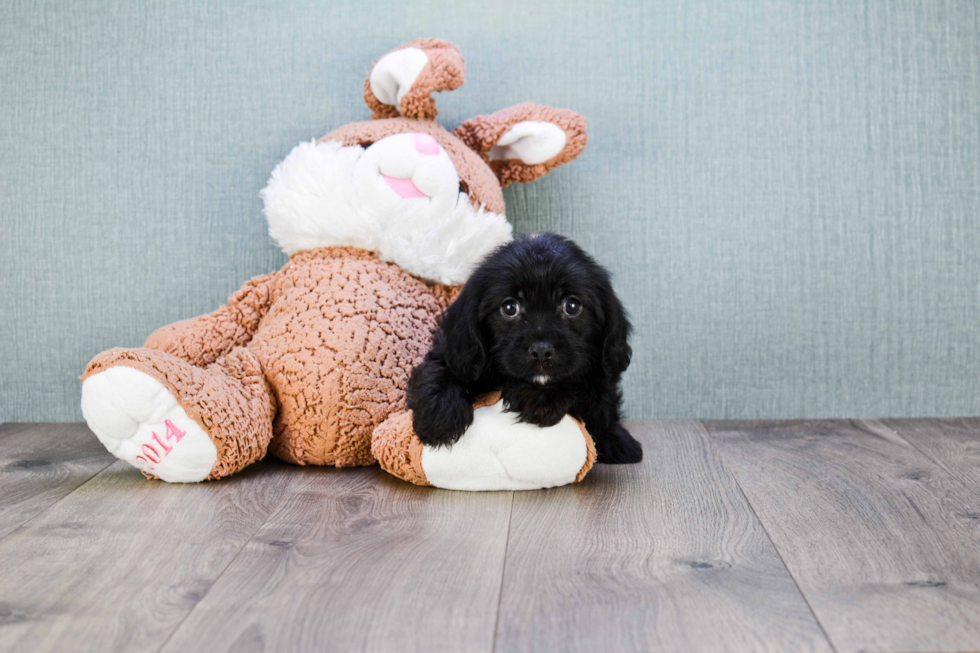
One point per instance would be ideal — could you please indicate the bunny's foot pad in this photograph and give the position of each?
(496, 453)
(138, 420)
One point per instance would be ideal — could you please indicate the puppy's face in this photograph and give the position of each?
(542, 308)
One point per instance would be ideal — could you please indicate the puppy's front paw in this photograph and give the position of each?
(541, 414)
(535, 406)
(441, 419)
(618, 447)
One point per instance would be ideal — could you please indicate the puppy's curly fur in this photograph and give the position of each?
(539, 321)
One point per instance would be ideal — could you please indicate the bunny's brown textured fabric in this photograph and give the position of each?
(338, 346)
(329, 343)
(398, 450)
(445, 70)
(482, 132)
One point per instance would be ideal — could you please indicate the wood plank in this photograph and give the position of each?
(120, 562)
(358, 560)
(40, 464)
(870, 528)
(952, 443)
(661, 556)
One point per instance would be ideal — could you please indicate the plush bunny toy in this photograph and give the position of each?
(382, 220)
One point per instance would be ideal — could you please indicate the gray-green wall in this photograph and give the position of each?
(787, 192)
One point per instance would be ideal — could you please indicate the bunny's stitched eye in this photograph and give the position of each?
(572, 307)
(510, 308)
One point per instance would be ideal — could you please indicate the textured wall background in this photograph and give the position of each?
(787, 192)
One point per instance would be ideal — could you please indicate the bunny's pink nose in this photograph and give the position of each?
(425, 144)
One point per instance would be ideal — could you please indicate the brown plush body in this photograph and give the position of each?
(326, 345)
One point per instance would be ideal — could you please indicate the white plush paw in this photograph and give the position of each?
(499, 453)
(139, 421)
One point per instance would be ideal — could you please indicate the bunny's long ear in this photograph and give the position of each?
(402, 82)
(525, 142)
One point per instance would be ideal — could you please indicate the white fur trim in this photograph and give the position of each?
(393, 76)
(328, 195)
(137, 419)
(530, 142)
(499, 453)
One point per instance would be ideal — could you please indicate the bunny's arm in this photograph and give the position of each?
(202, 340)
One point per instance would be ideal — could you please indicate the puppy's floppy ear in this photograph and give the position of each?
(403, 81)
(616, 350)
(526, 141)
(466, 340)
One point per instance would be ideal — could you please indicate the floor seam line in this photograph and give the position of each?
(775, 548)
(925, 454)
(503, 571)
(45, 510)
(204, 595)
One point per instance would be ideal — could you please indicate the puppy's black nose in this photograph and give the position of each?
(542, 351)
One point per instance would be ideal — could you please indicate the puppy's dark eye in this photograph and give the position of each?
(463, 188)
(572, 307)
(510, 308)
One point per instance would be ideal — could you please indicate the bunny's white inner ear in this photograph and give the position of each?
(393, 76)
(531, 142)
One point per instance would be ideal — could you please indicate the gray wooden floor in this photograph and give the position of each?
(734, 536)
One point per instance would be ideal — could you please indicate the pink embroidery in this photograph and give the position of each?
(173, 431)
(150, 454)
(146, 449)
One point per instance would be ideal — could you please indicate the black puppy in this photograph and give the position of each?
(539, 321)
